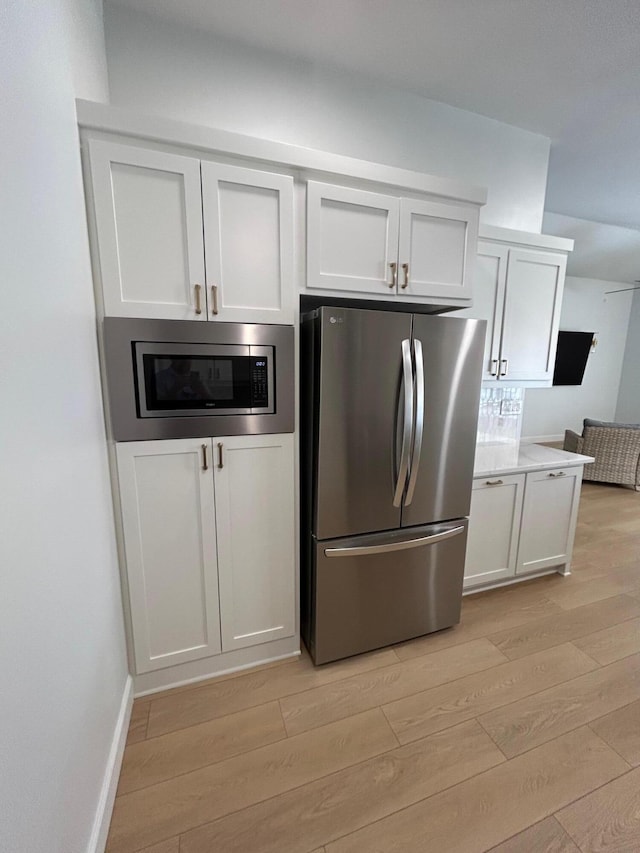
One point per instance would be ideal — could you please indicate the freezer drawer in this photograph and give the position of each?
(371, 591)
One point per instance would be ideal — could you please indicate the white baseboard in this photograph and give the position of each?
(98, 840)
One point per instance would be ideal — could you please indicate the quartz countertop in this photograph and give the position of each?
(492, 459)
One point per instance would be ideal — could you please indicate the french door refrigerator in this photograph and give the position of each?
(389, 417)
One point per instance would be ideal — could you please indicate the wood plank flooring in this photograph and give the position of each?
(518, 730)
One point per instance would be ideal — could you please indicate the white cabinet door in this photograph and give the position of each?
(248, 230)
(149, 228)
(352, 239)
(255, 513)
(549, 518)
(488, 302)
(437, 246)
(535, 282)
(494, 524)
(167, 498)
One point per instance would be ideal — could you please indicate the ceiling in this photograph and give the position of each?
(568, 69)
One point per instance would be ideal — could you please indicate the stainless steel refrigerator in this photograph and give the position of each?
(389, 406)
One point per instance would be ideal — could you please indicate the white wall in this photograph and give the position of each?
(585, 308)
(62, 654)
(158, 67)
(628, 407)
(605, 258)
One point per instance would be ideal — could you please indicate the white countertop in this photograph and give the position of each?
(492, 459)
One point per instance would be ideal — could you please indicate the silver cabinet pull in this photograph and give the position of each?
(405, 283)
(559, 474)
(220, 459)
(494, 482)
(419, 428)
(394, 276)
(494, 367)
(505, 368)
(214, 299)
(197, 289)
(205, 465)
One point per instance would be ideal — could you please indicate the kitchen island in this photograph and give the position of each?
(524, 508)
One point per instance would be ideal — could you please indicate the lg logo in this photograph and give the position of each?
(336, 320)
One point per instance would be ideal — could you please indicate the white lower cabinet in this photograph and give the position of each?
(209, 545)
(549, 519)
(492, 542)
(521, 524)
(254, 487)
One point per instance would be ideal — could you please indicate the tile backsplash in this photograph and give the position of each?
(500, 420)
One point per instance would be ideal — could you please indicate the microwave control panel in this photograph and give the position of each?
(259, 383)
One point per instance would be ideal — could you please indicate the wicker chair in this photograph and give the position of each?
(616, 448)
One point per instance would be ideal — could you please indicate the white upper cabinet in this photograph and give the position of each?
(352, 239)
(158, 216)
(535, 282)
(248, 230)
(168, 521)
(148, 217)
(488, 302)
(436, 249)
(368, 242)
(518, 291)
(255, 521)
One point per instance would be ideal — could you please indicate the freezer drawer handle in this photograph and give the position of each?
(419, 428)
(407, 427)
(364, 550)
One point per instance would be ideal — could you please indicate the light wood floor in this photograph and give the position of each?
(516, 732)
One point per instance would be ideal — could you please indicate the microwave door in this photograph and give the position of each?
(182, 380)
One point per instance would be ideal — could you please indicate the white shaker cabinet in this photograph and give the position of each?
(158, 215)
(352, 239)
(148, 220)
(248, 234)
(436, 250)
(535, 282)
(518, 291)
(549, 516)
(494, 524)
(209, 545)
(254, 486)
(369, 242)
(168, 523)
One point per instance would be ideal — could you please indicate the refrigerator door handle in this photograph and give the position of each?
(407, 426)
(364, 550)
(419, 428)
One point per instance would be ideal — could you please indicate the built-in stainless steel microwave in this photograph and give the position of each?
(187, 379)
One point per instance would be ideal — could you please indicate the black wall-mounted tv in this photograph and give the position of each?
(571, 357)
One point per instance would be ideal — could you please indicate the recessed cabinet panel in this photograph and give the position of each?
(437, 244)
(492, 543)
(488, 302)
(532, 314)
(149, 227)
(248, 221)
(254, 484)
(548, 518)
(352, 238)
(168, 516)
